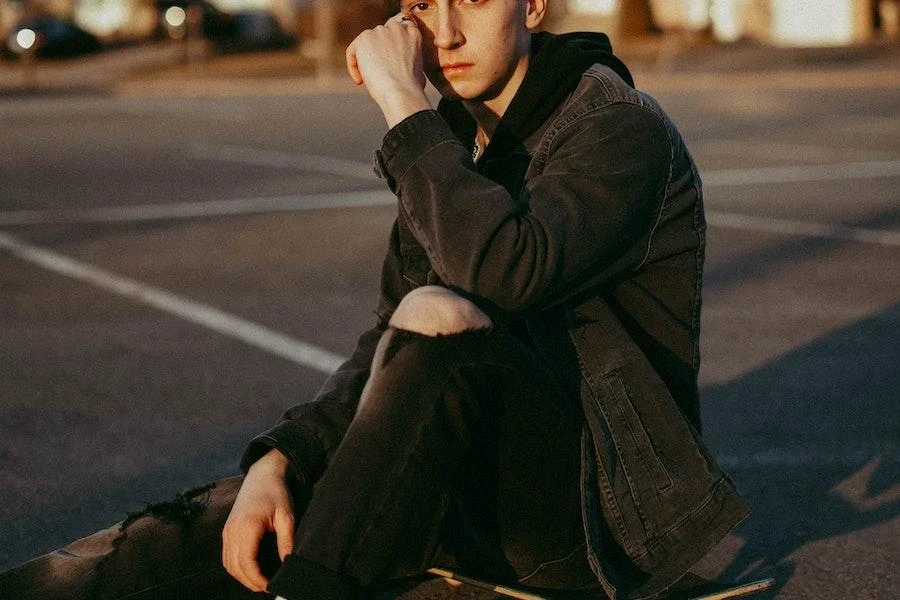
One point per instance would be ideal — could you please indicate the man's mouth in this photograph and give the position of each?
(455, 68)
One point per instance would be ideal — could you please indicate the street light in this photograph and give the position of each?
(24, 43)
(176, 18)
(25, 39)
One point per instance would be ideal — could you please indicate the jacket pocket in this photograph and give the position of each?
(416, 266)
(632, 437)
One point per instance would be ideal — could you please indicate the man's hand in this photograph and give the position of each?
(388, 60)
(263, 504)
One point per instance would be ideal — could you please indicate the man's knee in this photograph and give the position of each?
(433, 310)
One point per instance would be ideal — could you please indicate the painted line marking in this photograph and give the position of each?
(382, 198)
(284, 160)
(803, 173)
(803, 228)
(201, 314)
(654, 81)
(834, 79)
(785, 151)
(186, 210)
(865, 169)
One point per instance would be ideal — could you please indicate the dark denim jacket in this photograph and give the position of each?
(589, 236)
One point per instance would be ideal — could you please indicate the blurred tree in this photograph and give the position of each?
(636, 18)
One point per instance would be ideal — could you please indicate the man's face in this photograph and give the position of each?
(473, 49)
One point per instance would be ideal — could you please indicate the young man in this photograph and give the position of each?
(526, 408)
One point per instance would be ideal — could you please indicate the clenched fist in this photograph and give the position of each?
(388, 60)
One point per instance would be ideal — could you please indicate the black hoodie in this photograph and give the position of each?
(557, 64)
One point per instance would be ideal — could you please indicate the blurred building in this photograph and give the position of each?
(777, 22)
(132, 20)
(111, 20)
(115, 19)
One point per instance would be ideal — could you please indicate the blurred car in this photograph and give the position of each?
(227, 31)
(176, 17)
(256, 30)
(48, 37)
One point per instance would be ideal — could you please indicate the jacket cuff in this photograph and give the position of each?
(408, 141)
(304, 452)
(299, 578)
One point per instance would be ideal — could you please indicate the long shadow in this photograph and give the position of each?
(811, 440)
(762, 262)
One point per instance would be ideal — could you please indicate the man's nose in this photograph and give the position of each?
(448, 34)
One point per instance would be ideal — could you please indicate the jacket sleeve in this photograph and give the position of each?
(308, 433)
(586, 213)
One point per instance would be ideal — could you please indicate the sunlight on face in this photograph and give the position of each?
(473, 49)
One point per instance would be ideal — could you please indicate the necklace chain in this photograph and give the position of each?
(479, 145)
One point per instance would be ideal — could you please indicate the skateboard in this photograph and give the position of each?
(738, 591)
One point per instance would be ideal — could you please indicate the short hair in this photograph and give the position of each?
(391, 8)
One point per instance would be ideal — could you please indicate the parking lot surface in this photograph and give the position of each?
(178, 267)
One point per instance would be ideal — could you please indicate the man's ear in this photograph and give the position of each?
(535, 11)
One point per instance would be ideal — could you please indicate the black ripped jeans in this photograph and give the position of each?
(464, 451)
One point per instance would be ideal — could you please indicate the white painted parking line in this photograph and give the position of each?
(802, 228)
(812, 79)
(864, 169)
(245, 206)
(290, 160)
(381, 197)
(212, 208)
(804, 173)
(785, 152)
(201, 314)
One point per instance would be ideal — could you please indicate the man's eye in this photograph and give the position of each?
(418, 7)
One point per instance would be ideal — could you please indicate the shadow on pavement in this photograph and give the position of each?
(811, 440)
(773, 256)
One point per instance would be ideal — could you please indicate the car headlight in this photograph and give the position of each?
(25, 39)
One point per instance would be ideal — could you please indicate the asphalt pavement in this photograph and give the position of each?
(187, 250)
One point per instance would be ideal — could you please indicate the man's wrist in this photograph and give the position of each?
(272, 461)
(399, 106)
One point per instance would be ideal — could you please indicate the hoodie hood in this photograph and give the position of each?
(557, 63)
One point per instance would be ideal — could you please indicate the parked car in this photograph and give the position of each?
(48, 37)
(227, 31)
(176, 16)
(255, 30)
